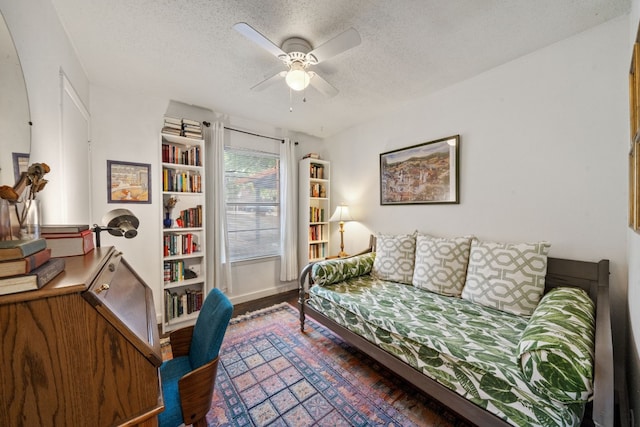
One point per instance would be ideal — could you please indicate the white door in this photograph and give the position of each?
(75, 157)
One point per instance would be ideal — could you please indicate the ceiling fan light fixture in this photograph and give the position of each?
(297, 77)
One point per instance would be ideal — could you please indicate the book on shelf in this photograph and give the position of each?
(64, 228)
(34, 279)
(311, 156)
(190, 122)
(69, 244)
(172, 131)
(172, 120)
(182, 127)
(180, 304)
(16, 249)
(24, 265)
(316, 171)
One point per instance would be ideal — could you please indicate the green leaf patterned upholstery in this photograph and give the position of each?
(441, 264)
(395, 256)
(505, 276)
(327, 272)
(556, 348)
(447, 339)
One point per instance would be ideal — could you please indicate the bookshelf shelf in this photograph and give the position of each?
(181, 320)
(313, 215)
(182, 167)
(183, 256)
(183, 247)
(181, 283)
(181, 229)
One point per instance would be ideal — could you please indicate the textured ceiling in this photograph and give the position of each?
(187, 50)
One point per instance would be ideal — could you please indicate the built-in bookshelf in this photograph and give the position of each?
(182, 155)
(313, 216)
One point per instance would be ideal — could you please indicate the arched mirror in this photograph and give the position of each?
(15, 128)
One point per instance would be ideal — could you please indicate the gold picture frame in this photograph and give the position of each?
(634, 147)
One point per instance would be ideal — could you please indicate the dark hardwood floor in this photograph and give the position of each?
(243, 308)
(246, 307)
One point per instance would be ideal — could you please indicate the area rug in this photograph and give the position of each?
(271, 374)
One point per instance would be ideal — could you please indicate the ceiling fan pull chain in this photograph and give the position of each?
(290, 100)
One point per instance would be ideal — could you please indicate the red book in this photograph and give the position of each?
(69, 244)
(24, 265)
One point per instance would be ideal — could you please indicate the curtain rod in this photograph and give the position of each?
(256, 134)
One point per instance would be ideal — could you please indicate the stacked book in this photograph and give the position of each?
(68, 240)
(172, 126)
(192, 128)
(182, 127)
(26, 265)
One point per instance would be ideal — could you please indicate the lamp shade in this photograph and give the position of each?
(297, 78)
(341, 214)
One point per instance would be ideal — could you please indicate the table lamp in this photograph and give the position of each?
(341, 215)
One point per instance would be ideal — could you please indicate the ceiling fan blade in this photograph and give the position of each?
(252, 34)
(269, 81)
(337, 45)
(322, 86)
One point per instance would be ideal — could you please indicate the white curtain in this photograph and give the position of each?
(288, 212)
(218, 253)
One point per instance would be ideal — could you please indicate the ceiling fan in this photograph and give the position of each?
(298, 56)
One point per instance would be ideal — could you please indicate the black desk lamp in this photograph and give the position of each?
(120, 222)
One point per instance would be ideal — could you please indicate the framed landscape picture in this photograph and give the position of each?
(128, 182)
(423, 173)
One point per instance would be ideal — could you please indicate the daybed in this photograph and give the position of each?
(499, 333)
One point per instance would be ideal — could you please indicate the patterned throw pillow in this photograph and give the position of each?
(441, 264)
(332, 271)
(395, 255)
(508, 277)
(556, 348)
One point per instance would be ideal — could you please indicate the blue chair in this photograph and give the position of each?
(188, 379)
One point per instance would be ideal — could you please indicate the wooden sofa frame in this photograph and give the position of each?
(593, 277)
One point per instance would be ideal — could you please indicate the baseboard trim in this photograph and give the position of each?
(262, 293)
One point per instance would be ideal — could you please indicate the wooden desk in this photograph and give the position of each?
(79, 353)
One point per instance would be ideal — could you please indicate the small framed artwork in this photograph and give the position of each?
(20, 164)
(128, 182)
(426, 173)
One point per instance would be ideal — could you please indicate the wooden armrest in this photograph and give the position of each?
(196, 391)
(603, 382)
(180, 340)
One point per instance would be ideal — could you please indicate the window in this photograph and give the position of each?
(252, 180)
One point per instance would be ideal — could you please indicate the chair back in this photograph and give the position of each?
(210, 328)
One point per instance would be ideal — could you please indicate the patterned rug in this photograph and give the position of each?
(271, 374)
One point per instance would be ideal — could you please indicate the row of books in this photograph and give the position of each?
(191, 218)
(316, 232)
(176, 271)
(316, 171)
(182, 127)
(181, 156)
(317, 251)
(180, 244)
(27, 265)
(179, 304)
(316, 214)
(181, 181)
(318, 190)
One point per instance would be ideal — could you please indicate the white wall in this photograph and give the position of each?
(544, 144)
(44, 52)
(126, 127)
